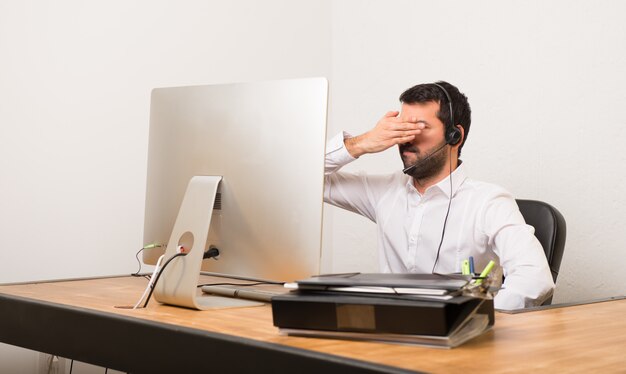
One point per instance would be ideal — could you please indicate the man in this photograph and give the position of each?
(434, 217)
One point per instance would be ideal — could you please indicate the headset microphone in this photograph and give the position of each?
(408, 170)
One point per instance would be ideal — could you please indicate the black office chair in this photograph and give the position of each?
(550, 229)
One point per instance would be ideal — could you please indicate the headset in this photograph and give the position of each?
(453, 134)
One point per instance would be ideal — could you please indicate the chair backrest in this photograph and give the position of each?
(550, 229)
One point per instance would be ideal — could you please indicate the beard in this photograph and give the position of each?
(428, 164)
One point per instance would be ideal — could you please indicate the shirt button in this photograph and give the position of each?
(412, 239)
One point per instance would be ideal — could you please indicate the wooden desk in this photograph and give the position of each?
(78, 319)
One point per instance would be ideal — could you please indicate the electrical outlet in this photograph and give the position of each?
(50, 364)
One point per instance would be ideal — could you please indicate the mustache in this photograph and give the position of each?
(408, 147)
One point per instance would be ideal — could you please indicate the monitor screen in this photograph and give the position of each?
(266, 140)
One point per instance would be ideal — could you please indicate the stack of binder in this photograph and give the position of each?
(425, 309)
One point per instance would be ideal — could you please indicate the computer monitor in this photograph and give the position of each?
(264, 145)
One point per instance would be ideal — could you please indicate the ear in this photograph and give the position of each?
(462, 130)
(457, 145)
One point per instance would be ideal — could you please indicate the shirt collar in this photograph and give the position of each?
(459, 175)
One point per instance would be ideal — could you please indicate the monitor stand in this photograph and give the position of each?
(178, 283)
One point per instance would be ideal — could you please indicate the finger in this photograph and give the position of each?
(412, 132)
(404, 134)
(404, 139)
(411, 119)
(397, 119)
(392, 113)
(408, 126)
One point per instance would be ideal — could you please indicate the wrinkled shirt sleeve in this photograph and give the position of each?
(528, 280)
(346, 190)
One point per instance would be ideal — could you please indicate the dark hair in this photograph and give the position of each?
(426, 92)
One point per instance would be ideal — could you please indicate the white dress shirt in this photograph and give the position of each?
(484, 222)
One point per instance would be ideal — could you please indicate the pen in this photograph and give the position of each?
(471, 264)
(465, 267)
(486, 271)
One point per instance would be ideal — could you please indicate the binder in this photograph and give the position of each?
(377, 306)
(475, 326)
(376, 317)
(390, 280)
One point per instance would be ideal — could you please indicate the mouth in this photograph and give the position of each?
(408, 152)
(406, 148)
(409, 155)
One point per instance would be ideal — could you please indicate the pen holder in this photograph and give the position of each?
(488, 287)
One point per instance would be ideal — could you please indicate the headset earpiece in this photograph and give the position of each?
(453, 136)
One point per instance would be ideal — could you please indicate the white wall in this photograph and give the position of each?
(75, 81)
(545, 80)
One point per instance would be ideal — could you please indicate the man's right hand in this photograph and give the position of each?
(389, 131)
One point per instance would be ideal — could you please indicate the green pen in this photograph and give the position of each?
(486, 271)
(465, 267)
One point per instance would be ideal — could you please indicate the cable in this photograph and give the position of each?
(136, 274)
(445, 221)
(149, 246)
(151, 283)
(159, 276)
(211, 253)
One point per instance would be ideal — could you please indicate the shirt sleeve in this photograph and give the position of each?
(349, 191)
(528, 280)
(336, 154)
